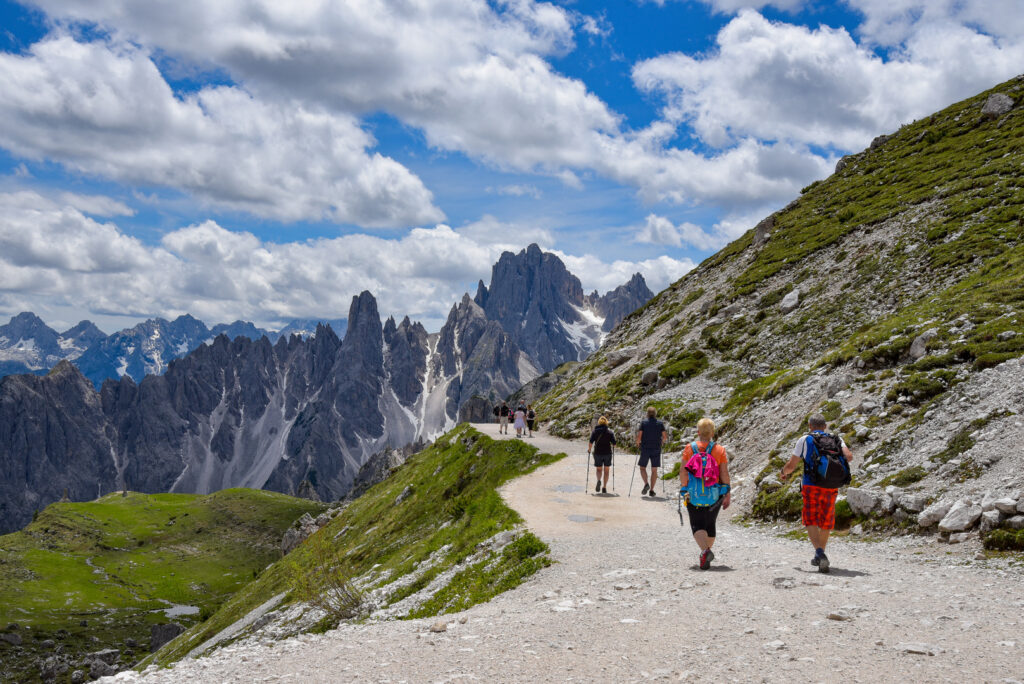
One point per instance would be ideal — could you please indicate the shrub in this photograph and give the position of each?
(905, 477)
(325, 582)
(1003, 540)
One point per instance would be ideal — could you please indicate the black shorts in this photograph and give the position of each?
(602, 460)
(704, 517)
(529, 423)
(652, 456)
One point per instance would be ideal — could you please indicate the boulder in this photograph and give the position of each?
(837, 384)
(914, 503)
(1020, 505)
(879, 141)
(919, 347)
(1015, 523)
(959, 537)
(770, 483)
(841, 164)
(862, 500)
(962, 516)
(988, 501)
(406, 493)
(161, 634)
(790, 302)
(763, 230)
(53, 668)
(731, 310)
(617, 357)
(77, 677)
(867, 406)
(650, 377)
(1006, 335)
(98, 668)
(996, 105)
(12, 638)
(107, 655)
(887, 504)
(990, 520)
(934, 513)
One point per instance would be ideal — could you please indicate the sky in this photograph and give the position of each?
(261, 160)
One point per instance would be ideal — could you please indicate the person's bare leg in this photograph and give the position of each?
(607, 474)
(643, 474)
(814, 534)
(654, 477)
(702, 539)
(823, 537)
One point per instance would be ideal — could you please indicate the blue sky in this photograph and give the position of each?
(259, 160)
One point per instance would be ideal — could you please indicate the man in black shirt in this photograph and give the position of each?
(650, 437)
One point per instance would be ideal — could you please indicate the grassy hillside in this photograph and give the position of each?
(110, 568)
(920, 233)
(435, 514)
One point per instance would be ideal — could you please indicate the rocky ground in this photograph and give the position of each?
(626, 602)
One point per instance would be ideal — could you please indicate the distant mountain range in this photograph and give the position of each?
(28, 345)
(295, 414)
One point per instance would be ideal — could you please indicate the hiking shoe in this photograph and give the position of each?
(604, 490)
(597, 488)
(823, 565)
(815, 560)
(646, 488)
(705, 559)
(653, 493)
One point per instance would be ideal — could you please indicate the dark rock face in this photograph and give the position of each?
(162, 634)
(622, 301)
(53, 435)
(26, 339)
(476, 410)
(406, 358)
(241, 329)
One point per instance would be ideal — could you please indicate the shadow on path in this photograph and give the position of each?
(713, 568)
(836, 572)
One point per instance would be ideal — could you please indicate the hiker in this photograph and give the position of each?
(503, 414)
(601, 441)
(650, 437)
(520, 421)
(531, 418)
(496, 411)
(826, 460)
(704, 480)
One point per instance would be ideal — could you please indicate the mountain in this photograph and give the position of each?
(145, 349)
(889, 297)
(27, 344)
(241, 329)
(300, 414)
(304, 327)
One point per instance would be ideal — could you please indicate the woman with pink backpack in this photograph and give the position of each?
(704, 482)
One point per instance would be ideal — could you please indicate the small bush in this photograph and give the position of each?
(781, 504)
(844, 514)
(684, 365)
(1003, 540)
(831, 410)
(905, 477)
(325, 582)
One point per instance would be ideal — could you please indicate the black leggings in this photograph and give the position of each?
(704, 517)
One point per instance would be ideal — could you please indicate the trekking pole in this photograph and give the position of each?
(631, 477)
(586, 464)
(613, 469)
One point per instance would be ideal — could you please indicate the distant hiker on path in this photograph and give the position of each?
(602, 439)
(520, 421)
(503, 415)
(704, 482)
(650, 437)
(531, 418)
(826, 460)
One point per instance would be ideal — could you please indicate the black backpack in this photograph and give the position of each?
(827, 463)
(497, 409)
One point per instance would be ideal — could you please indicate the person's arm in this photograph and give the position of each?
(790, 466)
(684, 474)
(723, 477)
(639, 434)
(664, 435)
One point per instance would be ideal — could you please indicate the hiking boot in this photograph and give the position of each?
(597, 488)
(653, 493)
(823, 565)
(814, 561)
(646, 488)
(705, 559)
(604, 490)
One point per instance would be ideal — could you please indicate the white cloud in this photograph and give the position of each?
(520, 190)
(105, 110)
(658, 230)
(52, 254)
(96, 205)
(775, 81)
(594, 274)
(893, 22)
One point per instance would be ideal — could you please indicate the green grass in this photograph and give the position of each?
(907, 476)
(454, 504)
(112, 562)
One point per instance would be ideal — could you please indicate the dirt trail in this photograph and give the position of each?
(625, 601)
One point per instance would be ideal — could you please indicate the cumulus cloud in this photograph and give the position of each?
(104, 109)
(52, 252)
(659, 230)
(775, 81)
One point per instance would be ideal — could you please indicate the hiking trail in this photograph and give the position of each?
(625, 601)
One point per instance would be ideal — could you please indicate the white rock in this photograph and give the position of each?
(774, 645)
(988, 502)
(440, 626)
(1016, 522)
(917, 648)
(1020, 505)
(934, 513)
(918, 348)
(1005, 504)
(790, 301)
(959, 537)
(962, 516)
(887, 504)
(990, 520)
(914, 503)
(862, 500)
(840, 615)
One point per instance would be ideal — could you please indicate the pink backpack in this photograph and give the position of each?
(703, 465)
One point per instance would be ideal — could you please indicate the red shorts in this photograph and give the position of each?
(819, 506)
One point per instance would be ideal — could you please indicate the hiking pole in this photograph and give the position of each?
(586, 464)
(631, 477)
(613, 469)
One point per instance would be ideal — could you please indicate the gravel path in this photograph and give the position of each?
(625, 601)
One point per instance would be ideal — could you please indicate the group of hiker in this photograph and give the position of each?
(705, 482)
(523, 418)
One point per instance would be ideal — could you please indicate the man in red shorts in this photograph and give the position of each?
(819, 510)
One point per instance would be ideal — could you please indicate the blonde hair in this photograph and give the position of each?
(706, 429)
(602, 421)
